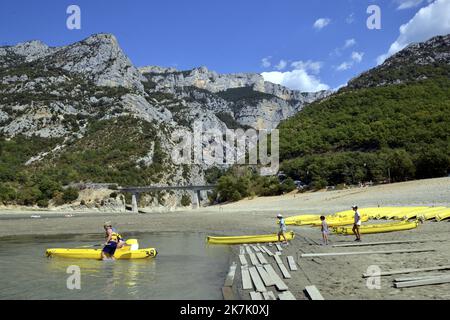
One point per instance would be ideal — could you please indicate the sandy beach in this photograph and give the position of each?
(335, 277)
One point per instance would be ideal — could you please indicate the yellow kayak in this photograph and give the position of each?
(249, 239)
(301, 220)
(130, 251)
(336, 222)
(379, 228)
(443, 215)
(431, 213)
(399, 213)
(350, 214)
(412, 213)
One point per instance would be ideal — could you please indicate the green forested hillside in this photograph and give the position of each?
(109, 152)
(370, 133)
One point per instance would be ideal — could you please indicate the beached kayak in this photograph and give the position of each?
(378, 228)
(431, 213)
(131, 251)
(301, 220)
(350, 214)
(443, 215)
(249, 239)
(336, 222)
(400, 213)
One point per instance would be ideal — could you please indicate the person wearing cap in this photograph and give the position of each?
(357, 223)
(282, 230)
(113, 241)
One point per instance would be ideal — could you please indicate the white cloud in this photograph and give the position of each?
(297, 79)
(349, 43)
(350, 19)
(429, 21)
(312, 66)
(321, 23)
(281, 65)
(344, 66)
(265, 62)
(407, 4)
(357, 56)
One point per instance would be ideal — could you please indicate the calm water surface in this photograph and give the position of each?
(185, 268)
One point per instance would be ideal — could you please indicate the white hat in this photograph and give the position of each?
(279, 216)
(354, 206)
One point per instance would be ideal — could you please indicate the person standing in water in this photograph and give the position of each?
(113, 241)
(357, 223)
(282, 231)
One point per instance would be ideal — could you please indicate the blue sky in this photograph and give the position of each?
(234, 35)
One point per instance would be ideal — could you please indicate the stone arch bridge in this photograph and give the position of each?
(194, 190)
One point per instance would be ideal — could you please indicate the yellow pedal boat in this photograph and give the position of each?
(130, 251)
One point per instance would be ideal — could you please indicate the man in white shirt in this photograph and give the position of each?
(357, 223)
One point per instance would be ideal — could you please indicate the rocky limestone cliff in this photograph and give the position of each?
(418, 61)
(246, 97)
(89, 97)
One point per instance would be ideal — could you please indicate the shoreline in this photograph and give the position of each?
(239, 218)
(336, 277)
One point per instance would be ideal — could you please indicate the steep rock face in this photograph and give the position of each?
(25, 52)
(101, 59)
(202, 78)
(417, 61)
(246, 97)
(86, 103)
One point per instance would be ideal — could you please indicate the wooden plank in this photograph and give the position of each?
(261, 258)
(256, 296)
(278, 259)
(253, 259)
(248, 249)
(404, 271)
(279, 284)
(257, 280)
(423, 282)
(420, 278)
(313, 293)
(292, 264)
(255, 248)
(265, 276)
(246, 280)
(230, 276)
(243, 260)
(287, 295)
(228, 293)
(284, 271)
(267, 251)
(261, 249)
(279, 248)
(333, 254)
(269, 295)
(363, 244)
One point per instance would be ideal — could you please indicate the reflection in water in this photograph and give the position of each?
(185, 268)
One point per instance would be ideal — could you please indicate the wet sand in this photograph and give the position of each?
(335, 277)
